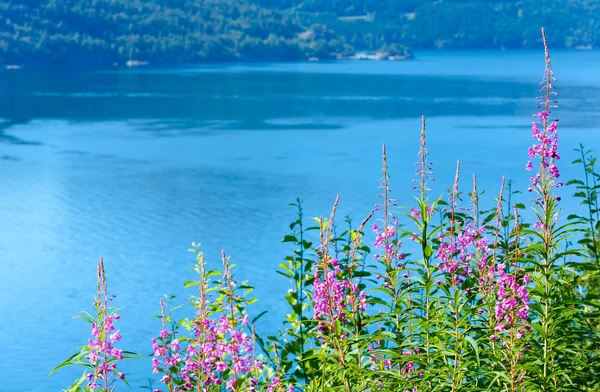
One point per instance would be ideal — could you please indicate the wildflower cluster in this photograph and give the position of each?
(457, 254)
(102, 353)
(387, 241)
(166, 355)
(512, 303)
(100, 356)
(334, 293)
(546, 150)
(224, 350)
(219, 354)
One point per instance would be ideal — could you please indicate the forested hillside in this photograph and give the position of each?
(450, 24)
(103, 32)
(107, 31)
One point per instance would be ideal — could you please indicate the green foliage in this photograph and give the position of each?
(369, 24)
(103, 32)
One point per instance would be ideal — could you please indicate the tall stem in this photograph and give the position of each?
(457, 342)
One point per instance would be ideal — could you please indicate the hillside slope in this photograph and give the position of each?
(103, 32)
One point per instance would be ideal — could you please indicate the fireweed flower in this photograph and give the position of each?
(457, 255)
(386, 240)
(219, 355)
(409, 366)
(512, 306)
(223, 350)
(546, 149)
(544, 131)
(416, 214)
(218, 350)
(334, 293)
(423, 213)
(464, 251)
(448, 248)
(166, 353)
(484, 260)
(102, 351)
(512, 299)
(102, 354)
(274, 384)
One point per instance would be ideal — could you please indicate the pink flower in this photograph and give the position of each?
(95, 331)
(101, 354)
(519, 335)
(230, 384)
(116, 336)
(275, 382)
(333, 295)
(416, 214)
(511, 299)
(116, 353)
(430, 210)
(155, 365)
(546, 148)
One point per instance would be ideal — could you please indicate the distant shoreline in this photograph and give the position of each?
(134, 64)
(358, 57)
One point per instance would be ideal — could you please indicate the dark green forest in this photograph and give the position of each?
(104, 32)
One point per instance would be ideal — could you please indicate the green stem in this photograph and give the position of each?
(591, 204)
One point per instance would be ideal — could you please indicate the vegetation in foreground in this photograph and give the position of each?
(489, 302)
(102, 32)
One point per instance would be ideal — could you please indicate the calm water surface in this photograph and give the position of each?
(135, 165)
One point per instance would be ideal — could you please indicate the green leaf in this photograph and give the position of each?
(428, 251)
(475, 347)
(85, 316)
(189, 283)
(575, 182)
(255, 319)
(67, 362)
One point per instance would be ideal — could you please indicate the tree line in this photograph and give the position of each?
(104, 32)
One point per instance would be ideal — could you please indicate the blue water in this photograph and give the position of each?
(135, 165)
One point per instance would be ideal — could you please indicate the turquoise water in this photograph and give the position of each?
(135, 165)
